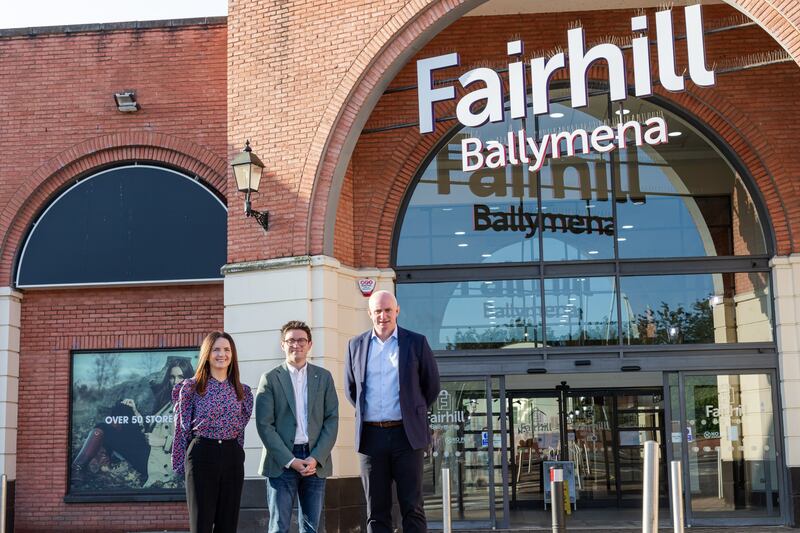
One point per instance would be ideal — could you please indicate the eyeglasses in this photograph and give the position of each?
(298, 342)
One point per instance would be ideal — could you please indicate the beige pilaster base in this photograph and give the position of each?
(786, 284)
(9, 379)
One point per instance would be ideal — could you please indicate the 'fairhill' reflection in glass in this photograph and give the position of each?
(602, 210)
(678, 199)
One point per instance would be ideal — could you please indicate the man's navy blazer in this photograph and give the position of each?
(419, 383)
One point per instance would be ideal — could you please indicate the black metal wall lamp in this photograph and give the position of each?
(247, 168)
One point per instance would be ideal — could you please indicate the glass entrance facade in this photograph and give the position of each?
(650, 259)
(496, 444)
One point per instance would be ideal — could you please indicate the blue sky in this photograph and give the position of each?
(63, 12)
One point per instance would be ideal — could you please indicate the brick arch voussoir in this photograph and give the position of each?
(91, 155)
(340, 118)
(384, 206)
(780, 18)
(405, 164)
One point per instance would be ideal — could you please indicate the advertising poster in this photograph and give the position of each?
(121, 426)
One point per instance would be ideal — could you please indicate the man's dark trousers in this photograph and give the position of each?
(387, 455)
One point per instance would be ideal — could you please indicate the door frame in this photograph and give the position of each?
(564, 391)
(691, 520)
(509, 431)
(615, 393)
(492, 522)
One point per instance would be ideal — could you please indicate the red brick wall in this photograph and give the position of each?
(345, 246)
(291, 77)
(285, 63)
(751, 110)
(58, 119)
(55, 322)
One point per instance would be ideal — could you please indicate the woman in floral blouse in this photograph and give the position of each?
(212, 410)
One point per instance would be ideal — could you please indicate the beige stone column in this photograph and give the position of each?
(9, 379)
(261, 296)
(786, 284)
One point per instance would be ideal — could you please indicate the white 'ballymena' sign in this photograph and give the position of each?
(519, 147)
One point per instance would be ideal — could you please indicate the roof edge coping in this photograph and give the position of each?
(111, 26)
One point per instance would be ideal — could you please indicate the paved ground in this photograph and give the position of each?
(731, 529)
(618, 529)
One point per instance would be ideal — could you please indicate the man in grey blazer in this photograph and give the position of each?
(297, 417)
(391, 378)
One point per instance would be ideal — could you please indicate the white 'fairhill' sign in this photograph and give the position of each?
(519, 147)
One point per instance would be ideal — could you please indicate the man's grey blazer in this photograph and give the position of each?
(277, 424)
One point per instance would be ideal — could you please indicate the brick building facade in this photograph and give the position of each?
(318, 89)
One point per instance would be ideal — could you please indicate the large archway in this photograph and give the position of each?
(438, 291)
(408, 31)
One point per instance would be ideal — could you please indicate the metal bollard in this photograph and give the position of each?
(447, 525)
(557, 500)
(3, 498)
(676, 490)
(650, 496)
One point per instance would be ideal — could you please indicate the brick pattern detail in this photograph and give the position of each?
(288, 88)
(53, 324)
(345, 246)
(66, 124)
(56, 96)
(303, 109)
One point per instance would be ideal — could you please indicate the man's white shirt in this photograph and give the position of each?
(382, 395)
(300, 385)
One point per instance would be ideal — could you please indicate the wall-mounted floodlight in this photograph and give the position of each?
(126, 101)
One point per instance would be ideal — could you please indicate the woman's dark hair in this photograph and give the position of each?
(162, 391)
(204, 364)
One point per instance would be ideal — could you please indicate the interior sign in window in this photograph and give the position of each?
(517, 219)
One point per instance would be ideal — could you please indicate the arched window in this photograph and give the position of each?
(131, 224)
(649, 244)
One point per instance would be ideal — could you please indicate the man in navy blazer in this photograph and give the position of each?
(391, 378)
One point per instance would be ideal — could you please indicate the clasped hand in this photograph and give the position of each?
(305, 467)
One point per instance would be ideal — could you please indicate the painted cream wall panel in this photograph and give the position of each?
(257, 345)
(10, 310)
(9, 363)
(786, 282)
(265, 316)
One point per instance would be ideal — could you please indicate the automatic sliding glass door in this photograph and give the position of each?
(534, 430)
(726, 437)
(467, 440)
(606, 431)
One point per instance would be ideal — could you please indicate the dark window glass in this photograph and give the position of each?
(682, 198)
(676, 199)
(580, 311)
(457, 217)
(474, 314)
(130, 224)
(699, 308)
(576, 219)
